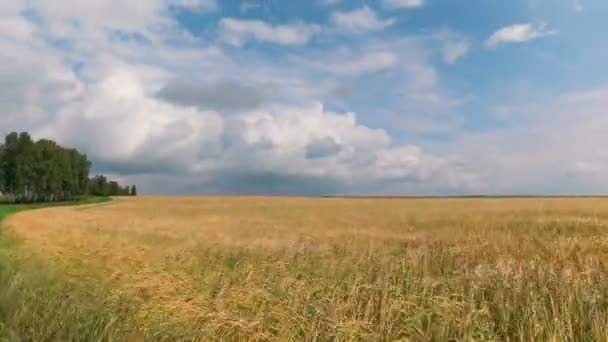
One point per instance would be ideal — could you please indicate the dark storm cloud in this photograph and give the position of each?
(222, 96)
(269, 183)
(235, 183)
(129, 168)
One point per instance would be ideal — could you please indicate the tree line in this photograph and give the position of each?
(43, 171)
(100, 186)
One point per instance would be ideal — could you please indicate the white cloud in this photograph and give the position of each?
(123, 15)
(588, 167)
(360, 20)
(279, 139)
(519, 33)
(400, 4)
(329, 2)
(116, 122)
(127, 130)
(15, 27)
(238, 32)
(409, 60)
(99, 93)
(547, 147)
(577, 5)
(249, 6)
(110, 110)
(196, 5)
(590, 96)
(33, 81)
(343, 63)
(454, 46)
(452, 51)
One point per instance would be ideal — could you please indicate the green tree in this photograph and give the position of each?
(44, 171)
(9, 149)
(133, 191)
(101, 185)
(113, 188)
(25, 167)
(2, 190)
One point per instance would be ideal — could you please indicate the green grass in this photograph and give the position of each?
(42, 304)
(7, 209)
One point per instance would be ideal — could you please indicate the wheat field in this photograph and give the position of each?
(309, 269)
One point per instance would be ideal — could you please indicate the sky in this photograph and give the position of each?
(316, 97)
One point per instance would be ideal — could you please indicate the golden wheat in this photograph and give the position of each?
(276, 269)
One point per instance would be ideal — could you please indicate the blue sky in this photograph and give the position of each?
(316, 97)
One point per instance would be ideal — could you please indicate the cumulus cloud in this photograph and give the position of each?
(32, 82)
(400, 4)
(360, 20)
(237, 32)
(128, 131)
(148, 102)
(117, 123)
(141, 122)
(519, 33)
(312, 142)
(29, 86)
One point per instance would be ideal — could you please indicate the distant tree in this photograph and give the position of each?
(98, 186)
(101, 186)
(2, 190)
(133, 191)
(26, 160)
(92, 187)
(9, 163)
(113, 188)
(44, 171)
